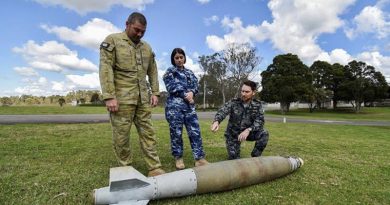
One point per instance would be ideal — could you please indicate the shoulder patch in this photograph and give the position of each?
(106, 46)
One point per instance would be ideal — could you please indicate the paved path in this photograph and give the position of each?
(99, 118)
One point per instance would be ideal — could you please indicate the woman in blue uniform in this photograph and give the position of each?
(182, 86)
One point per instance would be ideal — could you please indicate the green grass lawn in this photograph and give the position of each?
(56, 109)
(46, 109)
(368, 113)
(62, 164)
(379, 113)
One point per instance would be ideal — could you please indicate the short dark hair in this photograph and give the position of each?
(136, 16)
(174, 52)
(251, 84)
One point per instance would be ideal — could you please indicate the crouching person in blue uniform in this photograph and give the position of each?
(246, 121)
(182, 86)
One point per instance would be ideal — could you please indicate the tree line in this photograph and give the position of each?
(77, 97)
(286, 80)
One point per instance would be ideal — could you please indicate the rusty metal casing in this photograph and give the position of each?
(227, 175)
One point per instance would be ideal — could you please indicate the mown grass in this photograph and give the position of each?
(46, 109)
(52, 109)
(62, 164)
(367, 113)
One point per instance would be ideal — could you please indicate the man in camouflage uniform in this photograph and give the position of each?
(246, 121)
(125, 60)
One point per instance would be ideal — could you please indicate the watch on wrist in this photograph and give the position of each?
(250, 129)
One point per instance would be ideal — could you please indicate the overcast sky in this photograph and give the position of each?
(52, 46)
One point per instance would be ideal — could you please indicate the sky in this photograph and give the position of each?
(51, 47)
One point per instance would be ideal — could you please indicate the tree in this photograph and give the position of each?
(82, 100)
(329, 77)
(228, 68)
(216, 72)
(286, 80)
(388, 90)
(322, 79)
(240, 61)
(95, 99)
(214, 92)
(359, 78)
(204, 64)
(23, 98)
(6, 101)
(315, 97)
(33, 100)
(336, 79)
(376, 89)
(61, 101)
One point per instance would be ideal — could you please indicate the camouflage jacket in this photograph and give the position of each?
(241, 117)
(178, 82)
(123, 69)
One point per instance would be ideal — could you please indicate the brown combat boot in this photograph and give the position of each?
(201, 162)
(156, 172)
(180, 164)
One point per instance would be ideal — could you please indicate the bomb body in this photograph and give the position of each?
(128, 186)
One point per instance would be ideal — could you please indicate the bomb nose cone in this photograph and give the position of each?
(301, 161)
(295, 162)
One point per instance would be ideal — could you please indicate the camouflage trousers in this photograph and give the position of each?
(233, 144)
(121, 123)
(178, 117)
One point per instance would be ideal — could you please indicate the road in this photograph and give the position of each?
(100, 118)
